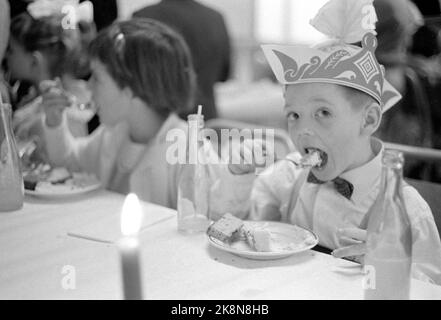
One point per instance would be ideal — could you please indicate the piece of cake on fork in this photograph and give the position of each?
(311, 159)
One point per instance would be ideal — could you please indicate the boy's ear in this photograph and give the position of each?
(134, 100)
(128, 93)
(39, 63)
(372, 118)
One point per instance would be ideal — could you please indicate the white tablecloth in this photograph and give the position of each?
(37, 254)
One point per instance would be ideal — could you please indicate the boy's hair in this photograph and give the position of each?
(152, 60)
(357, 98)
(62, 47)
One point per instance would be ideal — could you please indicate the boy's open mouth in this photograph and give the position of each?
(323, 157)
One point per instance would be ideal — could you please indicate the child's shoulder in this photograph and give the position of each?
(417, 207)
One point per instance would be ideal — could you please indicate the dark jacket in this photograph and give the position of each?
(206, 34)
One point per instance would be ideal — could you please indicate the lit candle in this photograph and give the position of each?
(131, 219)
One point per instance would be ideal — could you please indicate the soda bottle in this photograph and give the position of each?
(193, 188)
(388, 257)
(11, 179)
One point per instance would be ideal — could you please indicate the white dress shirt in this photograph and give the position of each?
(124, 166)
(287, 196)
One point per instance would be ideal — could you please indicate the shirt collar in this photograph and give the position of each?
(365, 177)
(172, 122)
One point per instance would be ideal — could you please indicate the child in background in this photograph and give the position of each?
(41, 51)
(142, 77)
(335, 95)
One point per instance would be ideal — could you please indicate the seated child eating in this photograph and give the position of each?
(142, 77)
(41, 50)
(335, 95)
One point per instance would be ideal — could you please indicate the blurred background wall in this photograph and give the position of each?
(253, 22)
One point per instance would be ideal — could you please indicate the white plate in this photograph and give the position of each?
(287, 239)
(62, 191)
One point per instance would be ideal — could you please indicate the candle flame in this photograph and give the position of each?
(131, 216)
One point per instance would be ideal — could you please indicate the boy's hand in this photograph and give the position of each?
(353, 244)
(250, 156)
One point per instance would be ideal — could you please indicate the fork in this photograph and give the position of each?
(294, 157)
(297, 160)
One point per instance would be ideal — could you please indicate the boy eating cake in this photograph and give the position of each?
(335, 95)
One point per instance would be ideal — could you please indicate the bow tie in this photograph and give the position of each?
(344, 187)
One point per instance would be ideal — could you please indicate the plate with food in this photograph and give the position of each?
(259, 240)
(46, 182)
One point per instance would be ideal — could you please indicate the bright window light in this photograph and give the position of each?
(287, 21)
(269, 20)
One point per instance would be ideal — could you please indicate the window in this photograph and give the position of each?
(287, 21)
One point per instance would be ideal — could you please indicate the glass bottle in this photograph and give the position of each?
(11, 179)
(388, 256)
(193, 186)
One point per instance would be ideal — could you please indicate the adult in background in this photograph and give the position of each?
(104, 13)
(397, 23)
(205, 32)
(428, 7)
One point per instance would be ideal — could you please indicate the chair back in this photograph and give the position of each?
(430, 157)
(420, 153)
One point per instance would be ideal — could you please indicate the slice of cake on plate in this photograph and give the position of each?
(230, 228)
(258, 238)
(226, 228)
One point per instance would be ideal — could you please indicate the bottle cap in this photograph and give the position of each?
(197, 117)
(393, 158)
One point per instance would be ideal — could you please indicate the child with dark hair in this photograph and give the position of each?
(142, 77)
(151, 60)
(40, 51)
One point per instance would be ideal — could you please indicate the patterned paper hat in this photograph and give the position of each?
(337, 61)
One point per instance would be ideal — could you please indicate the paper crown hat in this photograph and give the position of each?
(337, 62)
